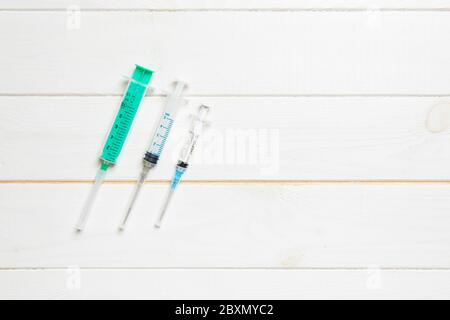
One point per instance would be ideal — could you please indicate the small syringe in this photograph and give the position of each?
(133, 97)
(197, 126)
(174, 101)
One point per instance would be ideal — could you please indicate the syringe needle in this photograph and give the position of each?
(164, 208)
(175, 181)
(101, 174)
(134, 197)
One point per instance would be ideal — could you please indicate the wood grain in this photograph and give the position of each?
(260, 139)
(224, 284)
(232, 226)
(228, 53)
(346, 196)
(228, 4)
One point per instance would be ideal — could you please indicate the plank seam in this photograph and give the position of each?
(234, 182)
(325, 9)
(314, 95)
(444, 269)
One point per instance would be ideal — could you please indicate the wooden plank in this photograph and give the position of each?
(60, 138)
(224, 284)
(289, 226)
(228, 53)
(227, 4)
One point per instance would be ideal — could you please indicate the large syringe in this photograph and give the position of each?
(174, 101)
(197, 126)
(133, 97)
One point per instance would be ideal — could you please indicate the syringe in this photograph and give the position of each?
(133, 97)
(174, 101)
(197, 126)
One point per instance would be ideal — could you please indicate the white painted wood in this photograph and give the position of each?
(225, 4)
(224, 284)
(228, 53)
(257, 69)
(61, 138)
(229, 226)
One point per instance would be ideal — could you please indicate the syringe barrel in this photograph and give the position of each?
(174, 101)
(197, 126)
(132, 99)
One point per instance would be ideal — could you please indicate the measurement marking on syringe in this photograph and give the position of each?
(162, 134)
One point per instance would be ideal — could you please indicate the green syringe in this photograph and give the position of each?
(137, 87)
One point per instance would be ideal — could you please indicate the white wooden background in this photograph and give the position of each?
(351, 199)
